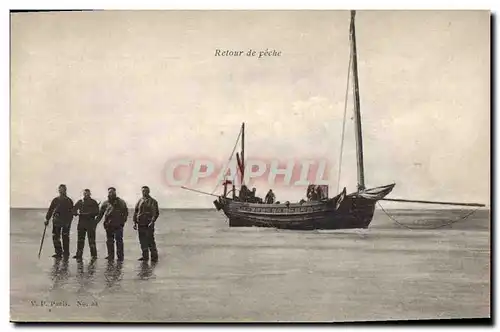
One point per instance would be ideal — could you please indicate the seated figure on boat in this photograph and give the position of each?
(310, 191)
(322, 191)
(252, 195)
(270, 197)
(254, 198)
(248, 196)
(317, 192)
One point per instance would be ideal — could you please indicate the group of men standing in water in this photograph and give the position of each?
(114, 211)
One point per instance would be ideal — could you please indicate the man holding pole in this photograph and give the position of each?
(61, 213)
(87, 209)
(145, 215)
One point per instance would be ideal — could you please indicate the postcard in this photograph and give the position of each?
(250, 166)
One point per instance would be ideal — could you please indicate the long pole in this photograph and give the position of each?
(41, 243)
(199, 191)
(242, 153)
(343, 123)
(357, 113)
(431, 202)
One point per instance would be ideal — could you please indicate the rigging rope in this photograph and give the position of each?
(344, 120)
(228, 161)
(440, 226)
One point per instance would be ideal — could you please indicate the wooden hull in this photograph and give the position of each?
(353, 211)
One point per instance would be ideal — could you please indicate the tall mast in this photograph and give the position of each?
(242, 152)
(357, 114)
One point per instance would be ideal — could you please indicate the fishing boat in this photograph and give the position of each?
(353, 210)
(343, 211)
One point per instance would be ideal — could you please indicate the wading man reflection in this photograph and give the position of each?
(115, 214)
(145, 271)
(85, 279)
(59, 273)
(113, 274)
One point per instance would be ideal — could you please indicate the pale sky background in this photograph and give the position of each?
(107, 98)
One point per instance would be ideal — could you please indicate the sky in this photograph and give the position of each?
(110, 98)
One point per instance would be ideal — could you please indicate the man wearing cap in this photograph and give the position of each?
(145, 215)
(115, 214)
(61, 213)
(87, 209)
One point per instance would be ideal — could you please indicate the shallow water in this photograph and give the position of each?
(209, 272)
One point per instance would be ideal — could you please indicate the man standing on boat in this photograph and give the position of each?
(61, 213)
(310, 190)
(270, 197)
(244, 193)
(312, 193)
(87, 209)
(145, 215)
(115, 214)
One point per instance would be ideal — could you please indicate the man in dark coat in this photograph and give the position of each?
(270, 197)
(115, 214)
(87, 208)
(61, 213)
(145, 215)
(244, 193)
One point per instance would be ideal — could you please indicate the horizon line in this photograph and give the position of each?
(213, 208)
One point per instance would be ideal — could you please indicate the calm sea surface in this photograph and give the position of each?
(209, 272)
